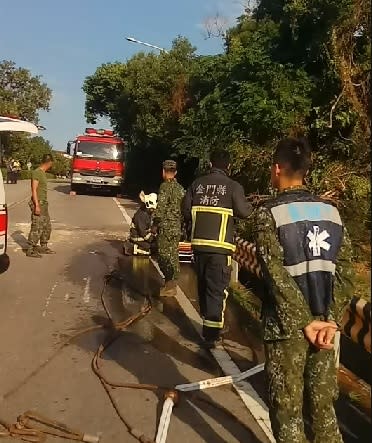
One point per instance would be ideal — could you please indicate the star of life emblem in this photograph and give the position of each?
(317, 241)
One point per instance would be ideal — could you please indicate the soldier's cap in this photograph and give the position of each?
(169, 164)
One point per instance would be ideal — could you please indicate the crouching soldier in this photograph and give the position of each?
(142, 234)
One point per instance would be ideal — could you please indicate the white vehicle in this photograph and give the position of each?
(8, 124)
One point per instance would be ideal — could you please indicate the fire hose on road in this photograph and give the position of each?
(27, 428)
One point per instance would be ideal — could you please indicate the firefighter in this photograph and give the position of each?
(141, 240)
(211, 202)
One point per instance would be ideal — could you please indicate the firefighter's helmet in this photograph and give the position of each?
(150, 200)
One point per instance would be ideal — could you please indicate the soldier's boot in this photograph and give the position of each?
(43, 249)
(32, 252)
(169, 289)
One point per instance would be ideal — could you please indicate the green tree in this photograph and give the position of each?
(21, 93)
(61, 164)
(245, 96)
(144, 99)
(330, 39)
(290, 67)
(25, 148)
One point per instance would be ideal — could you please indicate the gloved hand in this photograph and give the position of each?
(154, 230)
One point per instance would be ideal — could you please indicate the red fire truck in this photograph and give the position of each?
(98, 160)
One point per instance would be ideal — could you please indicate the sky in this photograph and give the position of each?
(65, 41)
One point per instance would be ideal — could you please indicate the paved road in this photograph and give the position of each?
(45, 300)
(16, 193)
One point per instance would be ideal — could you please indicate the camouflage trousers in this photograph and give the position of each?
(298, 373)
(41, 227)
(168, 258)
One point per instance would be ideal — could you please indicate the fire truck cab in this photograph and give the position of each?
(98, 160)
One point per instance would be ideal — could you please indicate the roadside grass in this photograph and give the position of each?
(363, 280)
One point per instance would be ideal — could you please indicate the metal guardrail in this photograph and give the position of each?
(356, 323)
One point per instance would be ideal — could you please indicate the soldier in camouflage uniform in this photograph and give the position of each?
(168, 220)
(305, 256)
(41, 227)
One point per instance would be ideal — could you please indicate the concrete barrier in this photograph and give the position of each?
(356, 323)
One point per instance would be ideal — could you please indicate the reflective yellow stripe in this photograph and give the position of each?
(225, 213)
(213, 210)
(213, 244)
(229, 260)
(213, 324)
(224, 306)
(223, 227)
(193, 218)
(218, 324)
(139, 239)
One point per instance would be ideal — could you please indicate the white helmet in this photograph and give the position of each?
(150, 200)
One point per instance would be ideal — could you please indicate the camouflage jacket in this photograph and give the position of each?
(168, 212)
(285, 310)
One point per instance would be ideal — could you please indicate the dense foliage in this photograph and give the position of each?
(289, 67)
(27, 149)
(22, 95)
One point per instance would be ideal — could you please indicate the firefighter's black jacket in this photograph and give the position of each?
(140, 229)
(210, 203)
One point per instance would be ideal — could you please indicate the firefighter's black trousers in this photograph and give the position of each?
(213, 275)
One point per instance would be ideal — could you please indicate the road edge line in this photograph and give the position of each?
(124, 213)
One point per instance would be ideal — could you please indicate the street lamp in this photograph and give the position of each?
(134, 40)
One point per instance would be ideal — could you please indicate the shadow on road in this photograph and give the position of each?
(20, 239)
(137, 351)
(63, 189)
(66, 188)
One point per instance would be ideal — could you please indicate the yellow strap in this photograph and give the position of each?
(213, 244)
(213, 210)
(213, 324)
(223, 227)
(218, 324)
